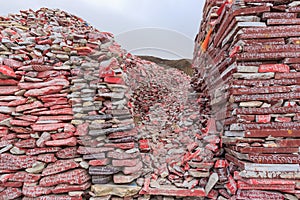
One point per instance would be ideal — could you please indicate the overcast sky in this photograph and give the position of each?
(164, 28)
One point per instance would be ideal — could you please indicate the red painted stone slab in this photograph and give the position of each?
(274, 133)
(274, 68)
(57, 117)
(92, 150)
(269, 34)
(29, 143)
(294, 75)
(6, 72)
(271, 150)
(262, 83)
(283, 21)
(72, 141)
(43, 91)
(8, 90)
(54, 82)
(267, 97)
(11, 162)
(59, 166)
(28, 118)
(275, 158)
(50, 127)
(62, 135)
(11, 193)
(125, 163)
(54, 197)
(273, 125)
(36, 104)
(8, 82)
(279, 15)
(175, 192)
(77, 176)
(121, 156)
(37, 151)
(266, 56)
(288, 143)
(125, 146)
(270, 48)
(243, 11)
(35, 191)
(64, 111)
(262, 90)
(67, 153)
(258, 194)
(116, 135)
(47, 158)
(270, 110)
(270, 175)
(64, 188)
(102, 162)
(244, 186)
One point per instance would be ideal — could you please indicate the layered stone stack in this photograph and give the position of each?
(65, 124)
(247, 71)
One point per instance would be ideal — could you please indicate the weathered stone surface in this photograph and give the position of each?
(11, 193)
(99, 170)
(121, 178)
(63, 188)
(35, 191)
(121, 191)
(125, 163)
(69, 152)
(72, 141)
(12, 162)
(77, 176)
(59, 166)
(25, 177)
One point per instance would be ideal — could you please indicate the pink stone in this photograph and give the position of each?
(59, 166)
(274, 68)
(125, 163)
(25, 177)
(102, 162)
(62, 135)
(36, 104)
(11, 162)
(51, 127)
(47, 158)
(132, 170)
(10, 193)
(64, 188)
(43, 91)
(35, 191)
(37, 151)
(70, 152)
(8, 90)
(82, 129)
(77, 176)
(6, 71)
(29, 143)
(64, 142)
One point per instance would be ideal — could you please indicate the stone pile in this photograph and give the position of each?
(247, 71)
(65, 123)
(179, 160)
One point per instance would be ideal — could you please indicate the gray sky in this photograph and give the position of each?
(164, 28)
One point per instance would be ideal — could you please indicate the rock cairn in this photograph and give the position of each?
(247, 71)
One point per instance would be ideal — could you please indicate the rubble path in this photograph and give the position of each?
(166, 112)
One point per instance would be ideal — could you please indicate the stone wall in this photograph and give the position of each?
(247, 71)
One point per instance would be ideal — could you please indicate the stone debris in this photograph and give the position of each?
(247, 73)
